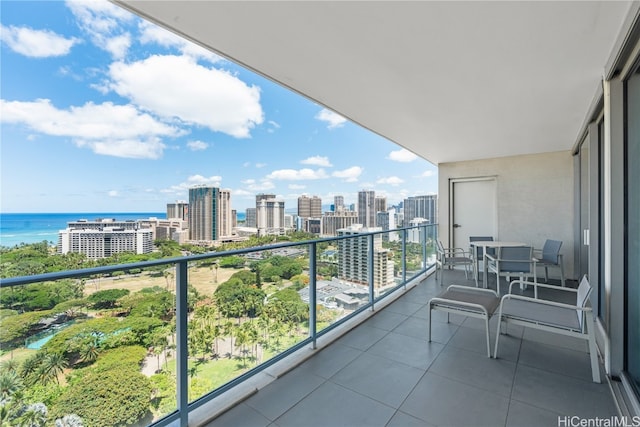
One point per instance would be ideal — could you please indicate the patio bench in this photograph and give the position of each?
(474, 302)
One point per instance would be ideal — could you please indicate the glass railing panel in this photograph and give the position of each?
(247, 309)
(98, 348)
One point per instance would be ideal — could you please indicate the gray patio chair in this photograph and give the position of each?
(550, 256)
(512, 261)
(451, 257)
(551, 316)
(477, 253)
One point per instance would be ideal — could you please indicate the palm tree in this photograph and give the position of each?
(53, 365)
(89, 351)
(34, 416)
(10, 384)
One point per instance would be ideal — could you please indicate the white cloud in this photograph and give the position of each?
(274, 124)
(113, 193)
(349, 175)
(253, 185)
(297, 187)
(391, 180)
(151, 33)
(403, 155)
(260, 165)
(114, 130)
(297, 175)
(36, 43)
(177, 87)
(102, 20)
(150, 148)
(333, 120)
(427, 174)
(197, 145)
(193, 181)
(317, 161)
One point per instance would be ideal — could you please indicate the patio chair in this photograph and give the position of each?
(472, 302)
(550, 256)
(477, 253)
(551, 316)
(512, 261)
(450, 258)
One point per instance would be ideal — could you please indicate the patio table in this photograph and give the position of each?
(484, 244)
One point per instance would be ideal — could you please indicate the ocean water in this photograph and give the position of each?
(16, 228)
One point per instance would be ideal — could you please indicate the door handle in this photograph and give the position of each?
(456, 226)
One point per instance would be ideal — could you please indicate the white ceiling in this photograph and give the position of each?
(448, 80)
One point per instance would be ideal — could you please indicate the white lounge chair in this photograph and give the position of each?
(551, 316)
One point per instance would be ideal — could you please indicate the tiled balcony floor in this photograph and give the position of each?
(385, 373)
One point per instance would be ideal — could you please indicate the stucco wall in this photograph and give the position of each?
(534, 198)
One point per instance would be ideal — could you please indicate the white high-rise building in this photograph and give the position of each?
(103, 238)
(353, 258)
(269, 215)
(338, 203)
(179, 209)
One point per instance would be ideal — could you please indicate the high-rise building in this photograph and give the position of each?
(353, 256)
(269, 215)
(209, 213)
(414, 235)
(104, 237)
(367, 208)
(380, 204)
(338, 203)
(421, 207)
(309, 207)
(333, 221)
(387, 221)
(250, 218)
(179, 209)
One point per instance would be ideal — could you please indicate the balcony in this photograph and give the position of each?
(385, 373)
(368, 365)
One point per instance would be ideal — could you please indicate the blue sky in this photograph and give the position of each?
(101, 111)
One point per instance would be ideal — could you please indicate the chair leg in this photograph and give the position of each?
(486, 320)
(495, 350)
(593, 353)
(429, 323)
(562, 274)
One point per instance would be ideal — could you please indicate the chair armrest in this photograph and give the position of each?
(525, 282)
(491, 258)
(544, 302)
(455, 251)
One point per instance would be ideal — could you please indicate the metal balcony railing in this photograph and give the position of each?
(259, 332)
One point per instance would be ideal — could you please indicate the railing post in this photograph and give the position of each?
(404, 255)
(370, 264)
(182, 352)
(424, 248)
(312, 293)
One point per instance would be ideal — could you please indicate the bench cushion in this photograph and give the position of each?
(559, 317)
(485, 299)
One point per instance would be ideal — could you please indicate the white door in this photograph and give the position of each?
(474, 211)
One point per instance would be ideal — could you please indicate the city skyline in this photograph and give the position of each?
(102, 111)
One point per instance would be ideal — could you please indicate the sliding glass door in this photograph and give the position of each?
(632, 240)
